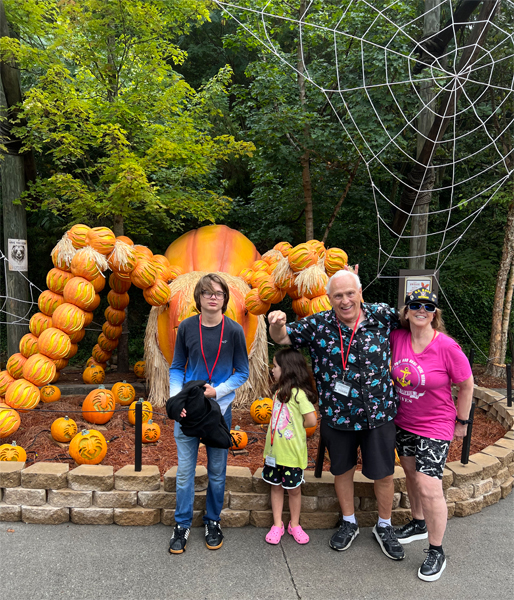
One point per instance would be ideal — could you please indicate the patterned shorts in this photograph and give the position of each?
(430, 453)
(288, 477)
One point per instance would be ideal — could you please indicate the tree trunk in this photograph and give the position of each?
(506, 314)
(337, 207)
(495, 344)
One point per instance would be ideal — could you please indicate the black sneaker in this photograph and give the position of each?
(213, 535)
(179, 539)
(410, 532)
(344, 536)
(433, 565)
(386, 537)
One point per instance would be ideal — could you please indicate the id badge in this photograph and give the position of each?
(270, 461)
(342, 388)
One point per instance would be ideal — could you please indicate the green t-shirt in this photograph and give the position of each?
(289, 440)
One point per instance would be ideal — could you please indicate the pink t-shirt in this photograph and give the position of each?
(423, 381)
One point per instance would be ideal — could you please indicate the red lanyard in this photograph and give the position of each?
(343, 360)
(209, 373)
(276, 424)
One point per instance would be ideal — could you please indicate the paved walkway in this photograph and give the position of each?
(123, 563)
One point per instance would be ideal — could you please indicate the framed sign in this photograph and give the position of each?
(413, 279)
(18, 258)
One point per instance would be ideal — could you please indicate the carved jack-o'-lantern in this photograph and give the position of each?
(147, 411)
(63, 429)
(88, 447)
(93, 374)
(151, 432)
(50, 393)
(99, 405)
(139, 369)
(12, 452)
(261, 410)
(123, 393)
(239, 439)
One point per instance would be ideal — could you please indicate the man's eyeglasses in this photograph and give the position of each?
(430, 308)
(218, 295)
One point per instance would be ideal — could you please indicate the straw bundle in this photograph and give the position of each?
(64, 251)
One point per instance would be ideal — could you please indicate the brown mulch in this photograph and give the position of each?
(34, 433)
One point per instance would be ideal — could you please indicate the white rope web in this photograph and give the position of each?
(463, 79)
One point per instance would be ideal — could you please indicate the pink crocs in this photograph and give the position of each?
(298, 533)
(275, 534)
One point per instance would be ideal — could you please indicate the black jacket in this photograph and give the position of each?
(204, 419)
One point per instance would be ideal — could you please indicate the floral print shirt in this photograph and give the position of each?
(370, 402)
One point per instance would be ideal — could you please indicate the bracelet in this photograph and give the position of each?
(462, 421)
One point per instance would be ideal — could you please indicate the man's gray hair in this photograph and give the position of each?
(343, 273)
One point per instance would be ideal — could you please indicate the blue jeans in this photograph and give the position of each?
(187, 452)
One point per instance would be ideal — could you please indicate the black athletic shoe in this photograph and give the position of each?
(433, 565)
(213, 535)
(410, 532)
(390, 545)
(344, 536)
(179, 539)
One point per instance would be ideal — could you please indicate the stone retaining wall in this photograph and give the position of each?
(51, 493)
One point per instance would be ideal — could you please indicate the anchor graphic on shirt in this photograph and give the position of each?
(403, 382)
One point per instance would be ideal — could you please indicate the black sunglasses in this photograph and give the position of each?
(417, 306)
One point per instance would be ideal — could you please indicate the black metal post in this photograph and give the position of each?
(318, 470)
(471, 357)
(466, 443)
(509, 385)
(139, 436)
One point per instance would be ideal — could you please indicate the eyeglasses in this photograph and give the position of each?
(218, 295)
(430, 308)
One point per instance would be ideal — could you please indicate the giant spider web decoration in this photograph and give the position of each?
(468, 65)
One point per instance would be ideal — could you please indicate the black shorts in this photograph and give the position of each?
(288, 477)
(377, 449)
(430, 453)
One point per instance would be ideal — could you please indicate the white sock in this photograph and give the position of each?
(384, 522)
(350, 519)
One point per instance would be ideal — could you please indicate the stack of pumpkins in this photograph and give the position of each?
(301, 271)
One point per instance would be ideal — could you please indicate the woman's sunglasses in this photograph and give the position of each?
(417, 306)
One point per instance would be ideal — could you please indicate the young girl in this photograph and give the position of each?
(285, 453)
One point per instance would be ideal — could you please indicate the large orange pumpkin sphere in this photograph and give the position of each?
(302, 256)
(98, 283)
(93, 374)
(12, 452)
(60, 363)
(15, 364)
(77, 235)
(50, 393)
(28, 345)
(80, 292)
(69, 318)
(335, 260)
(63, 429)
(88, 447)
(302, 306)
(144, 274)
(101, 239)
(151, 432)
(39, 369)
(48, 302)
(123, 392)
(269, 292)
(143, 252)
(261, 410)
(57, 279)
(84, 265)
(22, 395)
(98, 407)
(9, 421)
(239, 439)
(147, 411)
(319, 304)
(54, 343)
(157, 294)
(39, 322)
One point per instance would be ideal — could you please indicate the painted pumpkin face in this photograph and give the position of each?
(239, 439)
(88, 447)
(261, 410)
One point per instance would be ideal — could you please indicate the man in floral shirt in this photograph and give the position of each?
(349, 348)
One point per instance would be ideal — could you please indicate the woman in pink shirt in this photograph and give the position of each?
(425, 363)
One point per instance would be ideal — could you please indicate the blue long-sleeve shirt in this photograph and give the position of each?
(188, 364)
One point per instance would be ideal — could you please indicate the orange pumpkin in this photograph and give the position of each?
(88, 447)
(54, 343)
(55, 377)
(93, 374)
(118, 301)
(293, 292)
(319, 304)
(77, 235)
(28, 345)
(88, 318)
(80, 292)
(112, 332)
(311, 430)
(144, 274)
(283, 247)
(147, 411)
(157, 294)
(259, 276)
(91, 362)
(302, 256)
(73, 350)
(125, 239)
(5, 381)
(99, 405)
(22, 395)
(269, 292)
(56, 279)
(84, 265)
(151, 432)
(114, 316)
(107, 344)
(175, 271)
(99, 355)
(69, 318)
(101, 239)
(123, 259)
(335, 260)
(261, 409)
(302, 306)
(139, 369)
(77, 336)
(319, 247)
(15, 364)
(246, 274)
(9, 421)
(12, 452)
(59, 261)
(254, 304)
(60, 363)
(123, 392)
(50, 393)
(39, 369)
(63, 429)
(318, 288)
(96, 303)
(48, 302)
(143, 252)
(239, 439)
(98, 283)
(38, 323)
(118, 284)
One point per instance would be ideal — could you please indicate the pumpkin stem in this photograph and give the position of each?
(85, 432)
